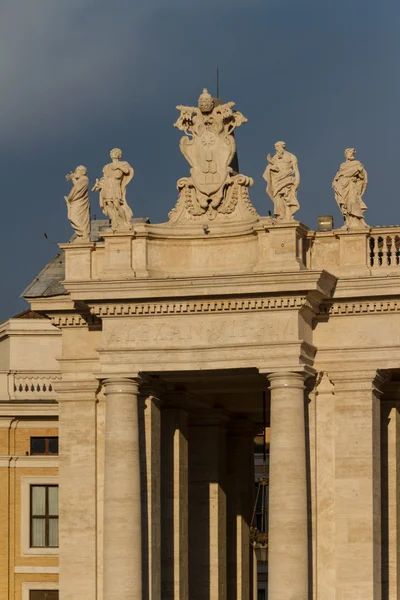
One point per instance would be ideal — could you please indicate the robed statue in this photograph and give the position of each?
(78, 203)
(112, 187)
(283, 179)
(209, 147)
(349, 185)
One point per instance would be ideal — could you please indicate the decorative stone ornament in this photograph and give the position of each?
(349, 185)
(78, 204)
(112, 187)
(213, 190)
(283, 179)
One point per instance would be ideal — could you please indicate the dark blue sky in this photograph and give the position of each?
(79, 77)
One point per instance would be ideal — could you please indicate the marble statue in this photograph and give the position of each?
(112, 187)
(209, 147)
(78, 203)
(349, 185)
(283, 179)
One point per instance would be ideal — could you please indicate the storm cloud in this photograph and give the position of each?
(79, 77)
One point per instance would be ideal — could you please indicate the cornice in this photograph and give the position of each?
(66, 320)
(359, 307)
(198, 306)
(370, 286)
(285, 283)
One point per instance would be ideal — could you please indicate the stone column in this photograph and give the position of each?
(152, 502)
(122, 493)
(288, 543)
(357, 484)
(240, 455)
(77, 487)
(391, 498)
(207, 498)
(174, 498)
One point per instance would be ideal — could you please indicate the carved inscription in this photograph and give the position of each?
(196, 332)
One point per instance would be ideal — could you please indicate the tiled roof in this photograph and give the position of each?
(48, 281)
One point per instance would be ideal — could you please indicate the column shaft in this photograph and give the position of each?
(393, 502)
(288, 536)
(174, 525)
(208, 523)
(122, 493)
(152, 417)
(239, 511)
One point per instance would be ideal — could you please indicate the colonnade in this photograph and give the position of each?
(206, 498)
(173, 520)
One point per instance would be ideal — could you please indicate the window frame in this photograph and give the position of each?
(26, 550)
(46, 439)
(43, 591)
(41, 586)
(47, 517)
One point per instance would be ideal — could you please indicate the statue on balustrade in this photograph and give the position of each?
(112, 187)
(349, 185)
(214, 189)
(78, 203)
(283, 179)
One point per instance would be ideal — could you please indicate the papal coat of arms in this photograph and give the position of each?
(213, 188)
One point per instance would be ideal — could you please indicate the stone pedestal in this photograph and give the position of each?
(288, 544)
(78, 260)
(122, 493)
(354, 251)
(118, 254)
(174, 497)
(281, 245)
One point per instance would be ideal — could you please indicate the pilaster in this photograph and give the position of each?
(357, 493)
(208, 504)
(240, 503)
(151, 489)
(77, 488)
(174, 501)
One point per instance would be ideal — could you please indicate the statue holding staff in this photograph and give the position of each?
(78, 203)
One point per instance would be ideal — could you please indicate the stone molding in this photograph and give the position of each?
(30, 462)
(361, 307)
(216, 306)
(121, 385)
(80, 390)
(73, 320)
(357, 381)
(286, 380)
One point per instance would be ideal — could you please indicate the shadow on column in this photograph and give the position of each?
(309, 501)
(143, 482)
(385, 412)
(167, 510)
(199, 517)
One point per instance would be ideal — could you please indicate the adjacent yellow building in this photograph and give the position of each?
(29, 345)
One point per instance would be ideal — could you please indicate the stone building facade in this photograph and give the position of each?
(167, 338)
(168, 346)
(29, 346)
